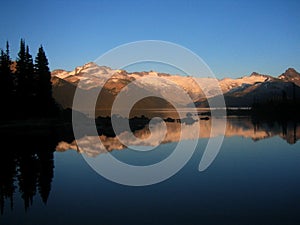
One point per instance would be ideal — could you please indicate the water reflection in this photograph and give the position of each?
(246, 127)
(27, 164)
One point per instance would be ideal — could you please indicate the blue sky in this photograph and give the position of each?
(233, 37)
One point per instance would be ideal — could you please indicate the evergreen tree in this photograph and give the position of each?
(29, 72)
(43, 76)
(25, 81)
(28, 91)
(20, 70)
(5, 71)
(6, 81)
(25, 72)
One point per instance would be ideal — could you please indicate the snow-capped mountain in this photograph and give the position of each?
(237, 92)
(272, 88)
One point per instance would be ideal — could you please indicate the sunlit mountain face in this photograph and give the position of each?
(240, 92)
(236, 126)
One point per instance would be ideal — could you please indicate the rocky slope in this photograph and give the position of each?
(240, 92)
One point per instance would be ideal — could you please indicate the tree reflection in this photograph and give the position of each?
(288, 130)
(27, 162)
(26, 165)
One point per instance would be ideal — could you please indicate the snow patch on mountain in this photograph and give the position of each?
(90, 76)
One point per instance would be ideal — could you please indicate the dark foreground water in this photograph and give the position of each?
(255, 179)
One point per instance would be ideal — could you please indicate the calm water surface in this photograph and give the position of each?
(255, 179)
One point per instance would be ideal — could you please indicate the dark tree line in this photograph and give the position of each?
(25, 85)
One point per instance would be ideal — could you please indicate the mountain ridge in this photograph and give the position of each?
(238, 92)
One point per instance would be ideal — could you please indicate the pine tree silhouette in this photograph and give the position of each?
(25, 81)
(28, 164)
(6, 82)
(44, 89)
(26, 93)
(29, 73)
(20, 70)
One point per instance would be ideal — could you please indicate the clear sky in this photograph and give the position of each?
(233, 37)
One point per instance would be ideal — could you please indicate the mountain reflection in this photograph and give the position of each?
(236, 126)
(27, 160)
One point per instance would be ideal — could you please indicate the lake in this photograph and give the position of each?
(254, 179)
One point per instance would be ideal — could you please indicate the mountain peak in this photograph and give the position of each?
(90, 68)
(291, 71)
(254, 74)
(94, 65)
(291, 75)
(90, 64)
(86, 66)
